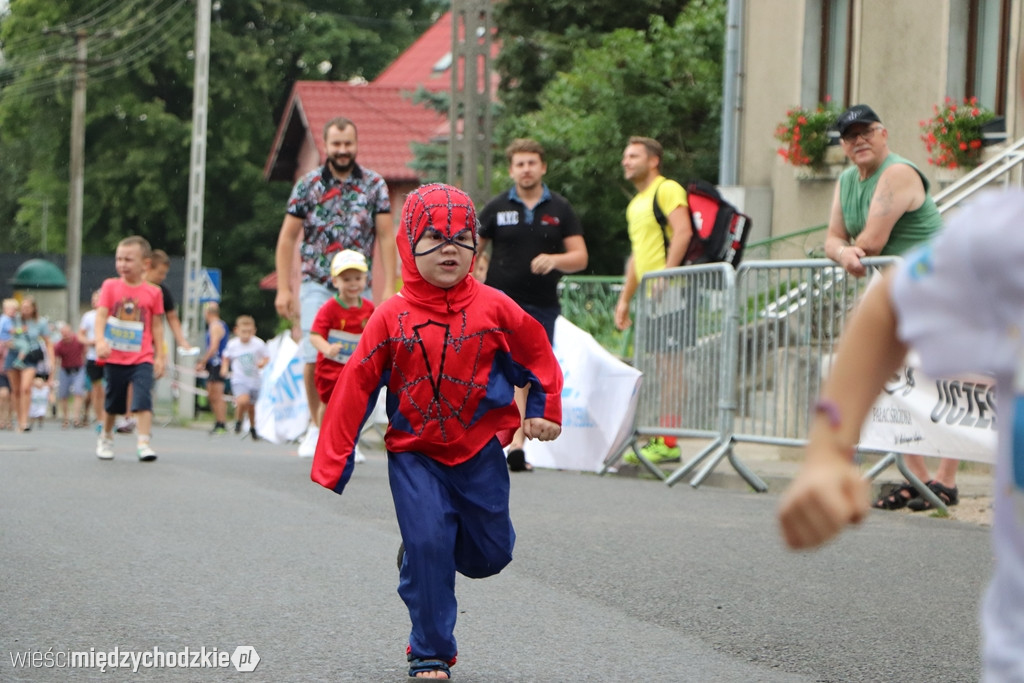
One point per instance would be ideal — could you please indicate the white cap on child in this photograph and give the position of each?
(346, 259)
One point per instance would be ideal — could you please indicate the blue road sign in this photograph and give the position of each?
(209, 285)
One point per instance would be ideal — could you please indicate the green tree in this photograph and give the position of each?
(539, 40)
(139, 118)
(663, 82)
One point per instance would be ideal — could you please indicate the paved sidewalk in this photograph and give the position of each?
(224, 542)
(778, 465)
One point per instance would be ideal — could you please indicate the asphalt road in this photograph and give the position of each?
(225, 543)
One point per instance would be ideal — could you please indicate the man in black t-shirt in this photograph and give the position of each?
(529, 237)
(160, 264)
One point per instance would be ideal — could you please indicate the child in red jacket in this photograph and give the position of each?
(450, 351)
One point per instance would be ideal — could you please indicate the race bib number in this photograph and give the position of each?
(124, 335)
(348, 343)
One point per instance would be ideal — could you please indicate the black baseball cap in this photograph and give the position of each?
(858, 113)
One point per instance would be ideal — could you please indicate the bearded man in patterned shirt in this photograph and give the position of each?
(338, 206)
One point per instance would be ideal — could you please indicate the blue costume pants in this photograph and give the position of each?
(452, 519)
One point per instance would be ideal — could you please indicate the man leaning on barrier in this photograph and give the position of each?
(882, 207)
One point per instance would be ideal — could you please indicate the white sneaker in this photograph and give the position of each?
(105, 448)
(308, 445)
(146, 453)
(125, 425)
(359, 457)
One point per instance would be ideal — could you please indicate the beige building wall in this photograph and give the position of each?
(771, 82)
(898, 67)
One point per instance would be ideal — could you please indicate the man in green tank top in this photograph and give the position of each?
(882, 207)
(881, 204)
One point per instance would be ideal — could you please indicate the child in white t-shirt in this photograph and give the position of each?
(959, 302)
(39, 402)
(244, 357)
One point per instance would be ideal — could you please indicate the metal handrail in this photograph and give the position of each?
(996, 169)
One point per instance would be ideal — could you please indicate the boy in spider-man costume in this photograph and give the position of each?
(450, 350)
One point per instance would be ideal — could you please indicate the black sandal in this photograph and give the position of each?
(418, 665)
(949, 496)
(895, 500)
(517, 461)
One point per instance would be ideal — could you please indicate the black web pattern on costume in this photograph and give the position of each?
(426, 196)
(435, 344)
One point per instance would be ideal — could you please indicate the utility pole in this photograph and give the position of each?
(196, 190)
(76, 170)
(46, 222)
(76, 189)
(469, 145)
(197, 172)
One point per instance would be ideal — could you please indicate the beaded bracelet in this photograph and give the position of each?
(830, 409)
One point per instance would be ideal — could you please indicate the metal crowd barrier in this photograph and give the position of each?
(739, 356)
(685, 339)
(791, 314)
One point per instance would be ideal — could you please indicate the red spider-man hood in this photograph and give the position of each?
(448, 210)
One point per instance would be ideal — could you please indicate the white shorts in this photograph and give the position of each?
(245, 388)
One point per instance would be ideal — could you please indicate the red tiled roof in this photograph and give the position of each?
(382, 111)
(428, 61)
(418, 65)
(385, 116)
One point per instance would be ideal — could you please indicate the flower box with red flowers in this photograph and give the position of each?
(954, 135)
(805, 134)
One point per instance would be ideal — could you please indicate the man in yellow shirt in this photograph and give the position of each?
(641, 164)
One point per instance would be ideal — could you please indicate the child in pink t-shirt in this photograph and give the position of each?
(130, 314)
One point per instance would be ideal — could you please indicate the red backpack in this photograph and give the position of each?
(719, 230)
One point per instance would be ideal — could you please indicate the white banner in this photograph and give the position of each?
(949, 418)
(282, 413)
(598, 403)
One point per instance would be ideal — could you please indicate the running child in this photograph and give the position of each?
(338, 325)
(244, 357)
(130, 315)
(450, 351)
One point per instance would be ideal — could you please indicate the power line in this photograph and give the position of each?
(37, 72)
(24, 54)
(125, 24)
(154, 38)
(121, 67)
(91, 19)
(28, 44)
(151, 29)
(141, 20)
